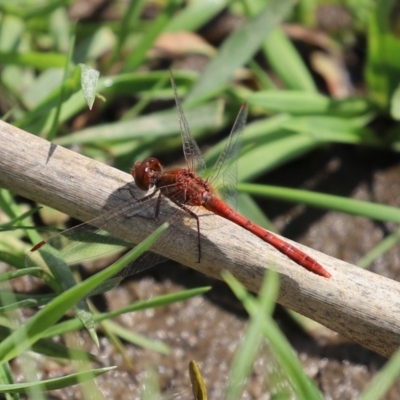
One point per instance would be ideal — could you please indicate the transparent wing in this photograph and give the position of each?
(193, 157)
(76, 245)
(98, 238)
(145, 261)
(224, 174)
(91, 241)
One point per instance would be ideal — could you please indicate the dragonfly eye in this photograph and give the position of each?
(139, 173)
(147, 173)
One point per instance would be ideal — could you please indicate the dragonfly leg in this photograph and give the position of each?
(140, 201)
(157, 207)
(196, 217)
(130, 191)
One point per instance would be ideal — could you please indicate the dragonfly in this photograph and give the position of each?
(187, 189)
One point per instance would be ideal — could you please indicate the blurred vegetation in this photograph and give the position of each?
(98, 80)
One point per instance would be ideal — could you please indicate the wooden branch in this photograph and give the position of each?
(356, 303)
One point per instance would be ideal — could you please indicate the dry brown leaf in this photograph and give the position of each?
(177, 44)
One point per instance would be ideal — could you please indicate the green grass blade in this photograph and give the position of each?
(55, 122)
(18, 305)
(238, 49)
(98, 44)
(31, 9)
(366, 209)
(303, 103)
(7, 378)
(109, 86)
(281, 147)
(383, 64)
(6, 276)
(154, 126)
(381, 248)
(195, 15)
(28, 334)
(20, 218)
(51, 349)
(160, 301)
(383, 380)
(149, 36)
(263, 79)
(40, 61)
(287, 63)
(138, 340)
(248, 349)
(9, 206)
(302, 385)
(150, 386)
(131, 17)
(55, 383)
(284, 58)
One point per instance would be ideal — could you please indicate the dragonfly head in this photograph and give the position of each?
(147, 173)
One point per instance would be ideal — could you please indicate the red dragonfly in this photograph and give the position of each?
(185, 188)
